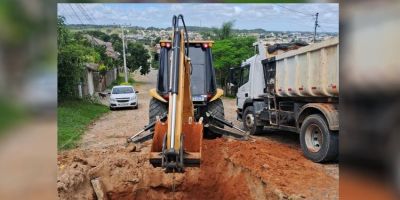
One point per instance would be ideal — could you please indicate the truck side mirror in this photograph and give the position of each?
(136, 91)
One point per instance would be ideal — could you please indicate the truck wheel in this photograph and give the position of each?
(318, 143)
(249, 121)
(216, 107)
(156, 108)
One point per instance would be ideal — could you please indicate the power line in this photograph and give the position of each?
(76, 14)
(307, 14)
(88, 18)
(91, 15)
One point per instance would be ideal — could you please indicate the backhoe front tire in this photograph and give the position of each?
(156, 108)
(216, 108)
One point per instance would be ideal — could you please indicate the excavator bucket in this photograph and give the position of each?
(192, 134)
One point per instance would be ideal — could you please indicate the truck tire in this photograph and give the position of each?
(318, 143)
(156, 108)
(249, 121)
(216, 107)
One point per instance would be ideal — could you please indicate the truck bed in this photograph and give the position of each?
(311, 71)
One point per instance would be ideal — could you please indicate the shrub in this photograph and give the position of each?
(103, 69)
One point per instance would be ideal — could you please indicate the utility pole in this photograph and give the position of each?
(123, 49)
(316, 25)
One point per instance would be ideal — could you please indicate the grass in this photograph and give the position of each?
(74, 116)
(121, 81)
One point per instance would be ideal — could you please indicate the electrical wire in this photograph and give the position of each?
(75, 13)
(307, 14)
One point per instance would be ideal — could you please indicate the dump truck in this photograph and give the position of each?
(295, 91)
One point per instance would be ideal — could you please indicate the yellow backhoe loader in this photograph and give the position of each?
(177, 116)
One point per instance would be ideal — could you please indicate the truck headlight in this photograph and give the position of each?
(133, 98)
(112, 99)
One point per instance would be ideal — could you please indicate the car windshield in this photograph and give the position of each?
(122, 90)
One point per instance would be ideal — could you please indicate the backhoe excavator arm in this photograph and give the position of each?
(178, 142)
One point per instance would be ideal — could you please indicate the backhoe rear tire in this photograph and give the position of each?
(156, 108)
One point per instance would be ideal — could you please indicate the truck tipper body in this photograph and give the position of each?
(296, 91)
(311, 71)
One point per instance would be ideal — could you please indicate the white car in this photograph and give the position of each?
(123, 96)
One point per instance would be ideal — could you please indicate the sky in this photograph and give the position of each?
(271, 17)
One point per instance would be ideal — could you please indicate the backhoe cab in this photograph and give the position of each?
(204, 93)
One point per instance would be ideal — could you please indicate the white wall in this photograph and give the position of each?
(90, 83)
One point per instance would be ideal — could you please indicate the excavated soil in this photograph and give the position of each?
(230, 169)
(270, 166)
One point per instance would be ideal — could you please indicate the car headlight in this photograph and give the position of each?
(112, 99)
(133, 98)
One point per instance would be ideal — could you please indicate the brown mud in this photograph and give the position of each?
(230, 169)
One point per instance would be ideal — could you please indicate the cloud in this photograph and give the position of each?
(268, 16)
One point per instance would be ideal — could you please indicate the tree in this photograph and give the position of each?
(155, 62)
(117, 45)
(138, 58)
(226, 30)
(157, 40)
(229, 53)
(116, 42)
(63, 34)
(208, 35)
(72, 55)
(71, 60)
(100, 35)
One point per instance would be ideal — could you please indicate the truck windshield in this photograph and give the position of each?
(122, 90)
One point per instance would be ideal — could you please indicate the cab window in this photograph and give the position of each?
(245, 72)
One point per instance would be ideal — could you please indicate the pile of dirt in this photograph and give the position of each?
(230, 169)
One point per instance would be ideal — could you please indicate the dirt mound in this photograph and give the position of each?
(230, 169)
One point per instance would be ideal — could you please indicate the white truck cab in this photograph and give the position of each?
(250, 69)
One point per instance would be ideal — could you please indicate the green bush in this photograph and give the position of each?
(121, 81)
(103, 69)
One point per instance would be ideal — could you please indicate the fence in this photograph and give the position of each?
(93, 82)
